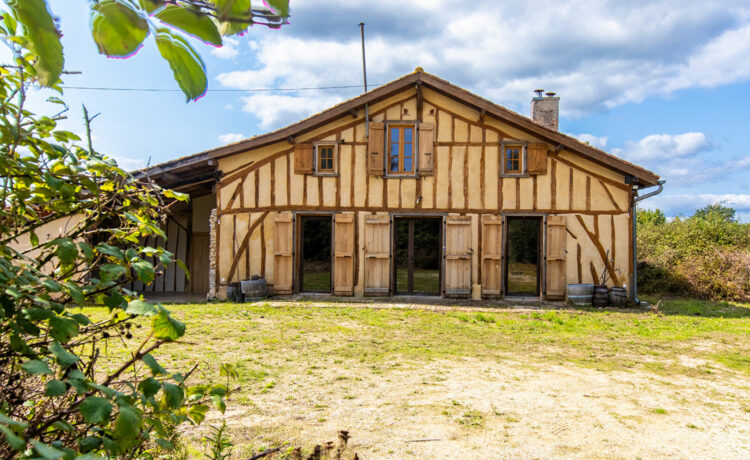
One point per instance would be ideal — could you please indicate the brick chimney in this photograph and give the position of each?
(545, 110)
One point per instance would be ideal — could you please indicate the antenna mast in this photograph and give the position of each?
(364, 77)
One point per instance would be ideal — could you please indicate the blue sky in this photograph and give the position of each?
(665, 84)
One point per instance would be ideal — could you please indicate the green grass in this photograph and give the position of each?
(424, 280)
(265, 341)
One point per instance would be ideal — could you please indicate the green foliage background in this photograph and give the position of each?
(706, 255)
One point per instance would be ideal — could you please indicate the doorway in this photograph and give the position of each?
(417, 255)
(523, 247)
(315, 254)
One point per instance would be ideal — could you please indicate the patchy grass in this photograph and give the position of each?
(307, 371)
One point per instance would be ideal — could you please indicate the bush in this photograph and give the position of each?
(706, 255)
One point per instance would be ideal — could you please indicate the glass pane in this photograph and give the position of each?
(407, 134)
(394, 134)
(523, 256)
(407, 148)
(407, 164)
(394, 163)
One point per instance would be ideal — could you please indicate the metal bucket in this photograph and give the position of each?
(254, 289)
(618, 296)
(233, 292)
(580, 294)
(601, 296)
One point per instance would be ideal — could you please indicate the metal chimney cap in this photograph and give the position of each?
(538, 92)
(550, 94)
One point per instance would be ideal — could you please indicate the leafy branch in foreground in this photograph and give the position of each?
(72, 227)
(120, 27)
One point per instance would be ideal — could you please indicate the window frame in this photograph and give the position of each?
(522, 158)
(414, 173)
(316, 158)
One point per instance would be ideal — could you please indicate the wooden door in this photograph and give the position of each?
(199, 247)
(492, 255)
(377, 254)
(283, 256)
(343, 254)
(458, 256)
(556, 250)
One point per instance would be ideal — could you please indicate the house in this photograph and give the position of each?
(442, 192)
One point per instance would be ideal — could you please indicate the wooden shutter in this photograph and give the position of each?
(343, 254)
(376, 145)
(283, 260)
(303, 158)
(492, 255)
(556, 244)
(377, 254)
(458, 256)
(426, 149)
(536, 159)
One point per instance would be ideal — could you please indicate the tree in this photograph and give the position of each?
(120, 27)
(716, 211)
(58, 398)
(649, 217)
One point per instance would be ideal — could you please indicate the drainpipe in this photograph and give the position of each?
(636, 199)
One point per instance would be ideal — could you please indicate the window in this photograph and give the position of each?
(401, 149)
(513, 159)
(325, 162)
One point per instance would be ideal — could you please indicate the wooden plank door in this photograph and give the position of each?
(556, 244)
(458, 256)
(199, 246)
(492, 255)
(283, 256)
(377, 254)
(343, 254)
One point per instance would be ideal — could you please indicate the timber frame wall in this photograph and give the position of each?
(585, 206)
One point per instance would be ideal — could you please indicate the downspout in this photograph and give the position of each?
(636, 199)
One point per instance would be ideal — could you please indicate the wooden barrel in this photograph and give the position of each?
(618, 296)
(233, 292)
(601, 296)
(580, 294)
(254, 289)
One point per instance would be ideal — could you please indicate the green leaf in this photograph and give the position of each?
(197, 413)
(14, 423)
(89, 443)
(144, 270)
(187, 66)
(151, 5)
(66, 250)
(37, 367)
(280, 7)
(12, 439)
(55, 388)
(75, 292)
(235, 10)
(155, 367)
(48, 452)
(43, 36)
(127, 426)
(141, 308)
(167, 328)
(149, 387)
(110, 250)
(95, 409)
(173, 395)
(219, 403)
(63, 329)
(111, 272)
(117, 28)
(191, 22)
(64, 357)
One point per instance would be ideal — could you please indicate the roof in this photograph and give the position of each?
(209, 157)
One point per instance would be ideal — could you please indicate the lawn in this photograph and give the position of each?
(478, 382)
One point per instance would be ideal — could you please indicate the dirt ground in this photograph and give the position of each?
(483, 407)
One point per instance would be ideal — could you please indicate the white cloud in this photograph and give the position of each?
(277, 110)
(686, 204)
(665, 147)
(230, 137)
(597, 141)
(228, 50)
(596, 55)
(129, 163)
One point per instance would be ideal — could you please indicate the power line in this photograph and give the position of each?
(159, 90)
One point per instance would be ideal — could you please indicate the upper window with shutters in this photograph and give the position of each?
(401, 148)
(325, 158)
(513, 159)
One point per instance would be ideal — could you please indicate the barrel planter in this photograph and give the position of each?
(233, 292)
(618, 296)
(580, 294)
(601, 296)
(254, 289)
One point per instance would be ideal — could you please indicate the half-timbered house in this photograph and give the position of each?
(416, 187)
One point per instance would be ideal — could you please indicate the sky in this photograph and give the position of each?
(662, 83)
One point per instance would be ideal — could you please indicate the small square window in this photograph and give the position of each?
(513, 159)
(325, 162)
